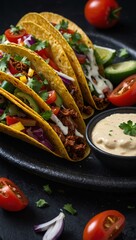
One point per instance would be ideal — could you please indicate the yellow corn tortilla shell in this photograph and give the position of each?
(48, 73)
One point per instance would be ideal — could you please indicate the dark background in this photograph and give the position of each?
(86, 202)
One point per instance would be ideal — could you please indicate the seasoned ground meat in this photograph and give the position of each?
(20, 66)
(100, 102)
(75, 146)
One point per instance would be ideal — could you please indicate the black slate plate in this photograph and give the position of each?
(88, 174)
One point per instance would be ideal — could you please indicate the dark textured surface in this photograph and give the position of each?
(31, 168)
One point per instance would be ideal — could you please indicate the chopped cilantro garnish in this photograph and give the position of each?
(46, 115)
(41, 203)
(22, 59)
(34, 84)
(39, 45)
(123, 52)
(69, 208)
(3, 62)
(75, 42)
(2, 38)
(128, 128)
(44, 95)
(62, 25)
(15, 29)
(47, 189)
(67, 36)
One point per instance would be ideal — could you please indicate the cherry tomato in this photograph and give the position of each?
(105, 225)
(11, 197)
(102, 14)
(125, 93)
(52, 96)
(13, 37)
(55, 109)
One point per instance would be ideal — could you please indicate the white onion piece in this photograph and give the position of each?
(63, 75)
(44, 226)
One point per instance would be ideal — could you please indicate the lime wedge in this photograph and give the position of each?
(106, 54)
(116, 72)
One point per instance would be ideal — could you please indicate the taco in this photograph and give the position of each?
(30, 80)
(19, 122)
(81, 54)
(34, 37)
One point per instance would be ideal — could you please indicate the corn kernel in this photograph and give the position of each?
(23, 79)
(30, 72)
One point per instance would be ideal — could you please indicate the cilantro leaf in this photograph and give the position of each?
(128, 128)
(69, 208)
(67, 36)
(123, 52)
(44, 95)
(41, 203)
(47, 189)
(34, 84)
(62, 25)
(39, 45)
(15, 29)
(3, 62)
(46, 115)
(22, 59)
(2, 38)
(75, 42)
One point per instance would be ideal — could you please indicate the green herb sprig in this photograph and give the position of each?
(128, 128)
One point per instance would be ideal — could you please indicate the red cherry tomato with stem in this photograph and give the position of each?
(102, 14)
(11, 197)
(105, 225)
(125, 93)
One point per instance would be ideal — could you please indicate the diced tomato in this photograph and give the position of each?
(67, 31)
(52, 96)
(81, 58)
(44, 53)
(13, 37)
(11, 120)
(55, 109)
(12, 69)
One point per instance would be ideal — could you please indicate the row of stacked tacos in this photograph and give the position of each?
(50, 81)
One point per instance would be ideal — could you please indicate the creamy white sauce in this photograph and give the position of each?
(63, 128)
(92, 72)
(108, 136)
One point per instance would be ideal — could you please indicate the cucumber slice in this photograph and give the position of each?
(119, 71)
(106, 54)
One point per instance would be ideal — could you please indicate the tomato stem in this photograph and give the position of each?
(114, 14)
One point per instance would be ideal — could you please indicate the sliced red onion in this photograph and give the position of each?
(29, 40)
(38, 134)
(80, 55)
(53, 228)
